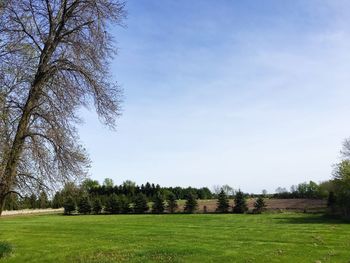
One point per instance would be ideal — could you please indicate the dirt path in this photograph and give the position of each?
(32, 211)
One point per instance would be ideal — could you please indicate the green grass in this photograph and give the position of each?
(176, 238)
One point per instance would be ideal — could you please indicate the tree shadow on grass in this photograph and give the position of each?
(5, 249)
(313, 219)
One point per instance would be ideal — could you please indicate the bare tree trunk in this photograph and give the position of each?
(17, 145)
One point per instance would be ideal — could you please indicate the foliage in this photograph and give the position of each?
(69, 205)
(84, 205)
(191, 204)
(97, 206)
(158, 204)
(259, 205)
(112, 204)
(140, 204)
(240, 206)
(223, 202)
(172, 204)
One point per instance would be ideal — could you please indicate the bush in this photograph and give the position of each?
(158, 204)
(240, 206)
(259, 205)
(69, 205)
(140, 204)
(84, 205)
(191, 203)
(223, 202)
(112, 204)
(97, 206)
(172, 204)
(124, 204)
(5, 249)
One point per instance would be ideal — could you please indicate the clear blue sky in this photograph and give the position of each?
(254, 94)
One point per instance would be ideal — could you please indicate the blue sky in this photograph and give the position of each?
(254, 94)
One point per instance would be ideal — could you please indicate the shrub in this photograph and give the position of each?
(84, 205)
(172, 204)
(124, 204)
(112, 204)
(140, 204)
(69, 205)
(97, 206)
(5, 249)
(158, 204)
(240, 206)
(223, 202)
(191, 203)
(259, 205)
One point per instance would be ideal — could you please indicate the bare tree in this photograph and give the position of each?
(53, 60)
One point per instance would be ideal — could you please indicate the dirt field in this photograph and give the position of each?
(308, 205)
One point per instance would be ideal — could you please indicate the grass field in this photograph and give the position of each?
(287, 237)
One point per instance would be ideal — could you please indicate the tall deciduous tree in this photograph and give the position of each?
(53, 60)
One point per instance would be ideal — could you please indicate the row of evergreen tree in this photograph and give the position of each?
(115, 204)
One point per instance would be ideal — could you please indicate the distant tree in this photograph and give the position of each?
(97, 206)
(259, 205)
(124, 204)
(33, 202)
(172, 204)
(191, 203)
(112, 204)
(108, 182)
(84, 205)
(331, 202)
(158, 204)
(69, 205)
(57, 201)
(223, 202)
(264, 192)
(227, 189)
(240, 206)
(140, 204)
(43, 200)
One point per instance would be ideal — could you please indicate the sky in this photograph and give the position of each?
(253, 94)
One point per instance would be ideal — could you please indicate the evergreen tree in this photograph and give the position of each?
(84, 205)
(172, 204)
(158, 204)
(240, 206)
(124, 204)
(97, 206)
(259, 205)
(112, 204)
(191, 203)
(69, 205)
(223, 202)
(331, 202)
(140, 204)
(43, 201)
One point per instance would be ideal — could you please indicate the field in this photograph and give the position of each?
(284, 237)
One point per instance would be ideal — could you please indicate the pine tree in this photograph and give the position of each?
(84, 205)
(191, 203)
(240, 206)
(97, 206)
(140, 204)
(112, 204)
(124, 204)
(259, 205)
(158, 204)
(172, 204)
(223, 202)
(69, 205)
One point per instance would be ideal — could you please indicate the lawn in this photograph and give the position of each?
(287, 237)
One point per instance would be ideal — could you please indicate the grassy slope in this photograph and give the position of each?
(176, 238)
